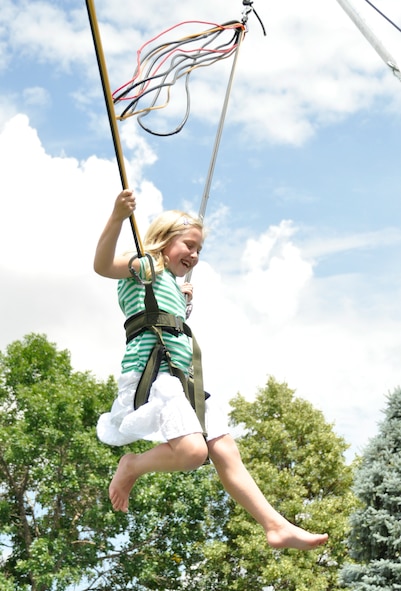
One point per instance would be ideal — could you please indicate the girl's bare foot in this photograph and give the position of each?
(122, 483)
(287, 535)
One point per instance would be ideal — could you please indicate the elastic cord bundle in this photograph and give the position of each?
(160, 67)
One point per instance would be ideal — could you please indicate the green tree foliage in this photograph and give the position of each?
(175, 517)
(375, 539)
(57, 529)
(52, 470)
(299, 464)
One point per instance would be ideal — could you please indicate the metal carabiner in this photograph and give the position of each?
(136, 276)
(249, 8)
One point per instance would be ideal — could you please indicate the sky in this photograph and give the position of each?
(299, 277)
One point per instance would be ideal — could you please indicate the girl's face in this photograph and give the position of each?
(183, 251)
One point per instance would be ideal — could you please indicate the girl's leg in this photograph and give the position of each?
(240, 485)
(179, 454)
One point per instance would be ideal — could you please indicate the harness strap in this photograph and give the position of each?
(137, 323)
(157, 321)
(148, 376)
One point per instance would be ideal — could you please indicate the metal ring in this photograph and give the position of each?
(136, 275)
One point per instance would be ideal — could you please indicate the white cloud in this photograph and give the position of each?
(260, 309)
(273, 317)
(46, 32)
(332, 244)
(7, 108)
(335, 340)
(36, 95)
(60, 207)
(312, 68)
(274, 275)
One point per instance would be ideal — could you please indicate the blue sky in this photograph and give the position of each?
(304, 215)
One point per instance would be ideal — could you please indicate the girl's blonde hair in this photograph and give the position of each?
(164, 228)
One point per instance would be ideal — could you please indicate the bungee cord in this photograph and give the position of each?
(155, 74)
(160, 67)
(163, 65)
(208, 183)
(158, 70)
(111, 115)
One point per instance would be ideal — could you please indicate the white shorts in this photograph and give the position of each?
(166, 415)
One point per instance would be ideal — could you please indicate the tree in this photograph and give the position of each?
(52, 470)
(375, 539)
(57, 528)
(299, 464)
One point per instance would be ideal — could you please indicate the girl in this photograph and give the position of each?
(174, 240)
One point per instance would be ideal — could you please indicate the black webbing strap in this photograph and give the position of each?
(156, 320)
(148, 376)
(136, 324)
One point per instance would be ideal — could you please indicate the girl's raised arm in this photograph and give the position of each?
(106, 263)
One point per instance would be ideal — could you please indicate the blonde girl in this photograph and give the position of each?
(174, 241)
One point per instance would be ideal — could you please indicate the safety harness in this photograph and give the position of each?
(158, 321)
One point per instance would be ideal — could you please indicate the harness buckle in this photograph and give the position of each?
(177, 324)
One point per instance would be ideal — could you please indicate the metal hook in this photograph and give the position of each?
(249, 8)
(136, 276)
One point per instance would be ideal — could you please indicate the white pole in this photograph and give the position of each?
(371, 37)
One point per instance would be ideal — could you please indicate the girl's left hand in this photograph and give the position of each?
(187, 290)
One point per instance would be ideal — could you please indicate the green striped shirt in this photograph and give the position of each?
(170, 299)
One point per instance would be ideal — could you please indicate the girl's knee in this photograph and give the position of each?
(193, 453)
(224, 449)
